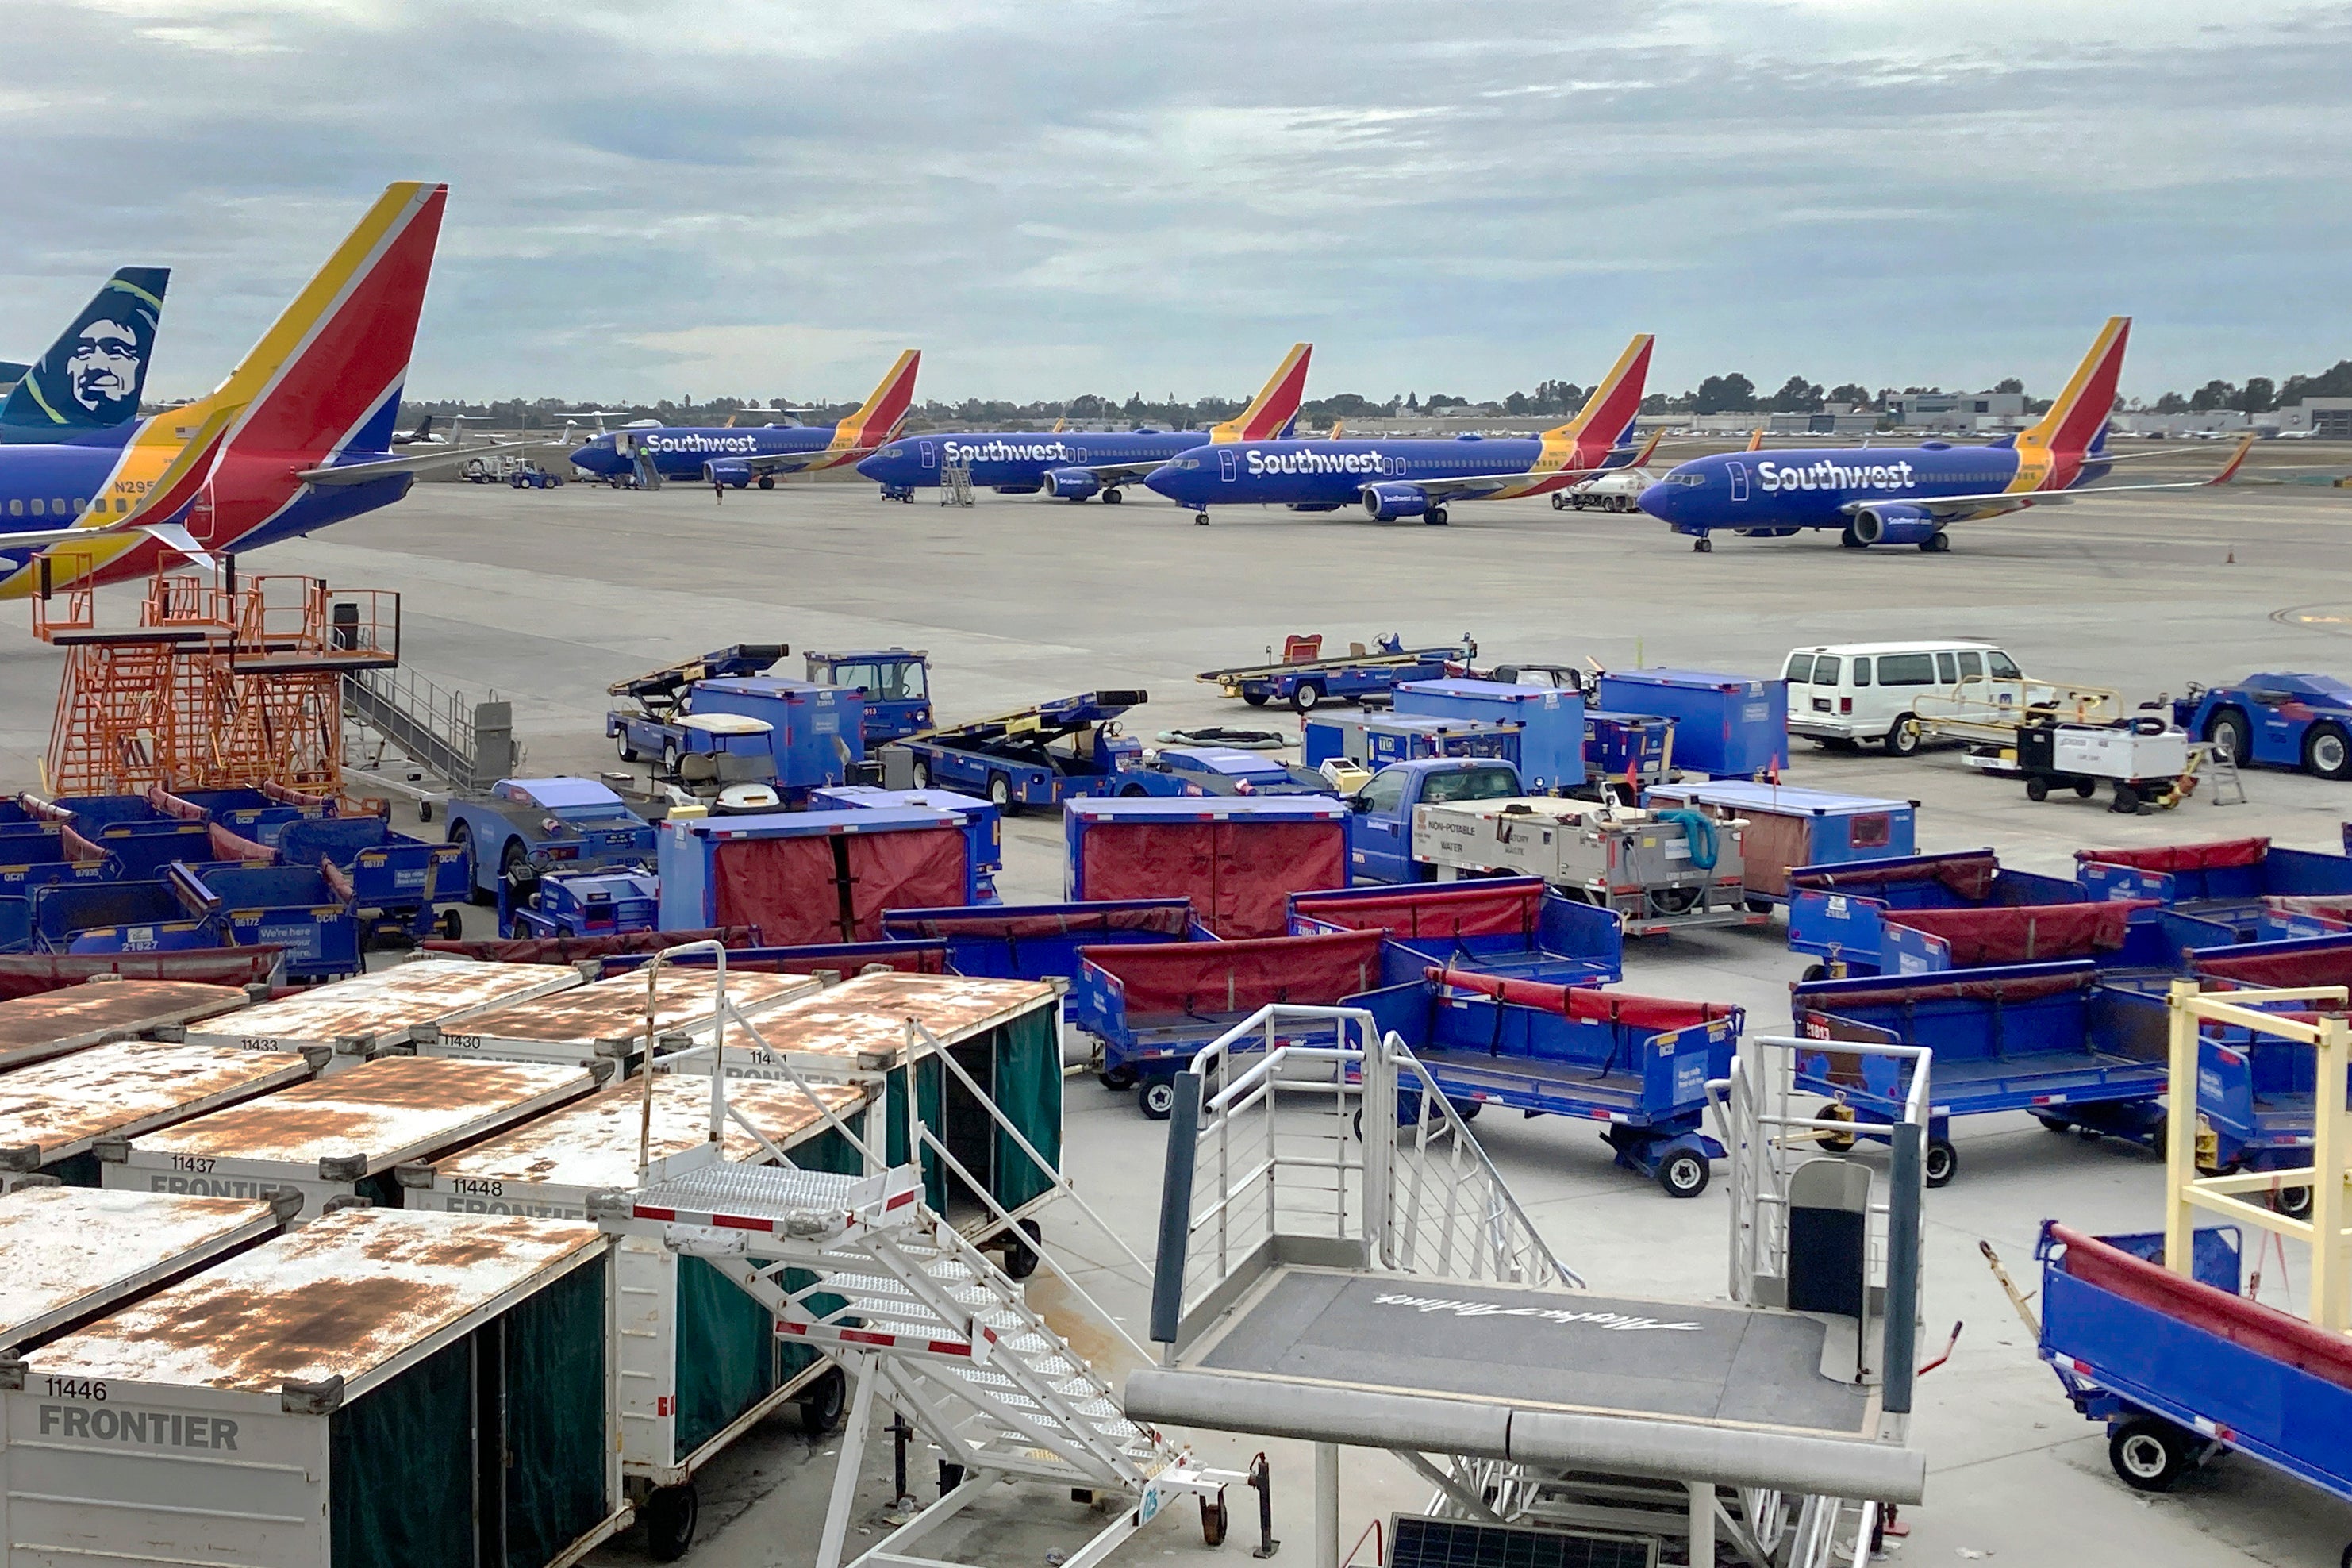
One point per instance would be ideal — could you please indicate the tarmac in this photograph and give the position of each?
(542, 598)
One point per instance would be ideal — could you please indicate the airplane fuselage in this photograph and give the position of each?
(1013, 460)
(695, 452)
(1819, 487)
(1328, 475)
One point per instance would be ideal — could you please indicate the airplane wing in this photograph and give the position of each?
(1993, 503)
(1112, 473)
(168, 533)
(1459, 484)
(408, 463)
(793, 462)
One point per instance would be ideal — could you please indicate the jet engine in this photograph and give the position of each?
(1895, 524)
(1387, 503)
(1071, 484)
(726, 471)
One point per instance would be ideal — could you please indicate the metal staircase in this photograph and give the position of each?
(955, 484)
(470, 744)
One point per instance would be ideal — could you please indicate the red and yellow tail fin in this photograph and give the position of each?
(2074, 419)
(1276, 405)
(884, 408)
(1607, 416)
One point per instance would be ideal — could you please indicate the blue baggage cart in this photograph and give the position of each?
(1836, 911)
(2226, 879)
(45, 856)
(2132, 944)
(397, 882)
(1503, 925)
(15, 925)
(2254, 1091)
(1726, 726)
(1639, 1064)
(1793, 828)
(2047, 1038)
(114, 917)
(296, 908)
(259, 814)
(1042, 941)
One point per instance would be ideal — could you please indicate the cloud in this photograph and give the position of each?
(1056, 196)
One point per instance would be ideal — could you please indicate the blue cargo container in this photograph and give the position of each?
(812, 877)
(1726, 726)
(1550, 721)
(1376, 740)
(818, 731)
(1791, 827)
(983, 823)
(1616, 743)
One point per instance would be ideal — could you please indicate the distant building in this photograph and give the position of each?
(1958, 410)
(2327, 418)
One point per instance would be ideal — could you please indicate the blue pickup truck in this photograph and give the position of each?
(1379, 825)
(2277, 719)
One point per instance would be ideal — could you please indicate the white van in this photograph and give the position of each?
(1851, 692)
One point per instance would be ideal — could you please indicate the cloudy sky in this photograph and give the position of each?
(762, 197)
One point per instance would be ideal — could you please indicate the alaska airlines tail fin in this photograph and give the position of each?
(884, 408)
(92, 376)
(1606, 420)
(2079, 414)
(1270, 413)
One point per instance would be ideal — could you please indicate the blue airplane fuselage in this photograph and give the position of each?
(681, 452)
(1328, 475)
(1016, 461)
(1819, 486)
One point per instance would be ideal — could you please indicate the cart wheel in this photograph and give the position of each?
(2293, 1202)
(1118, 1081)
(1214, 1520)
(921, 775)
(2037, 788)
(1020, 1256)
(670, 1522)
(450, 925)
(2148, 1454)
(1760, 906)
(1943, 1162)
(1254, 699)
(2052, 1123)
(950, 1477)
(1683, 1174)
(1815, 972)
(822, 1402)
(2085, 788)
(2089, 1134)
(2126, 800)
(1000, 792)
(1465, 1110)
(1359, 1125)
(424, 811)
(2326, 753)
(1158, 1099)
(1835, 1142)
(1306, 696)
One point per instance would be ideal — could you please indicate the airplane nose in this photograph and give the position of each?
(1658, 501)
(872, 467)
(1167, 479)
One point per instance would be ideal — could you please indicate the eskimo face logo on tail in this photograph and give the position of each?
(92, 377)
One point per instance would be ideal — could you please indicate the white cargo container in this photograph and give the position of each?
(105, 1007)
(68, 1254)
(53, 1113)
(700, 1362)
(340, 1137)
(376, 1389)
(606, 1021)
(369, 1014)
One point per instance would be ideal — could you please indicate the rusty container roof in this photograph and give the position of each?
(33, 1028)
(390, 1002)
(594, 1143)
(867, 1016)
(391, 1107)
(62, 1245)
(616, 1008)
(129, 1086)
(340, 1298)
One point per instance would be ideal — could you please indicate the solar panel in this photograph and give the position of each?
(1417, 1541)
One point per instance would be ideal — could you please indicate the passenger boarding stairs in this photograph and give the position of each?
(470, 744)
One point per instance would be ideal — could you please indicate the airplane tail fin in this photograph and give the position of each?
(884, 408)
(2079, 416)
(1755, 440)
(92, 376)
(1269, 414)
(1602, 425)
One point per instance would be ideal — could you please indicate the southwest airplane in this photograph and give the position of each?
(1075, 466)
(1416, 478)
(296, 438)
(86, 387)
(722, 455)
(1908, 495)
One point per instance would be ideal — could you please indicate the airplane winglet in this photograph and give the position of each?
(2237, 458)
(1648, 447)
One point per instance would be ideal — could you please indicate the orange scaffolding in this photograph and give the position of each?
(220, 684)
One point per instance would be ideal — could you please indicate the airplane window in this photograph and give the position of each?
(120, 506)
(16, 509)
(39, 510)
(58, 506)
(80, 505)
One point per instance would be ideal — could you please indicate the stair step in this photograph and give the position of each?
(780, 1198)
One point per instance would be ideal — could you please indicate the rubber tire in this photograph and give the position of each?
(2085, 788)
(2241, 736)
(1465, 1110)
(1254, 699)
(621, 744)
(669, 761)
(2127, 801)
(2149, 1454)
(1000, 794)
(1157, 1099)
(449, 926)
(1111, 497)
(1118, 1081)
(1813, 972)
(823, 1402)
(1936, 543)
(767, 481)
(1941, 1165)
(921, 774)
(1214, 1520)
(1850, 540)
(1684, 1174)
(424, 811)
(670, 1515)
(1835, 1142)
(1435, 517)
(2037, 788)
(2293, 1202)
(1702, 545)
(1760, 906)
(1895, 741)
(1307, 696)
(2331, 738)
(2054, 1124)
(462, 834)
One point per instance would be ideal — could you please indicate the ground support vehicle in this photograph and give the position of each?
(1726, 726)
(399, 885)
(2148, 762)
(2150, 1335)
(105, 1007)
(605, 1024)
(983, 823)
(700, 1362)
(1632, 750)
(1787, 828)
(407, 1436)
(2224, 879)
(1380, 823)
(897, 683)
(2049, 1038)
(1043, 756)
(57, 1113)
(1173, 771)
(583, 903)
(347, 1021)
(1376, 740)
(812, 875)
(663, 690)
(1843, 694)
(1237, 860)
(1513, 926)
(1641, 1064)
(1551, 755)
(2274, 720)
(1838, 913)
(1306, 679)
(1042, 941)
(2288, 916)
(309, 911)
(524, 828)
(1660, 871)
(1154, 1007)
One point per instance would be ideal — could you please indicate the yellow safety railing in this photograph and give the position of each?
(2186, 1191)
